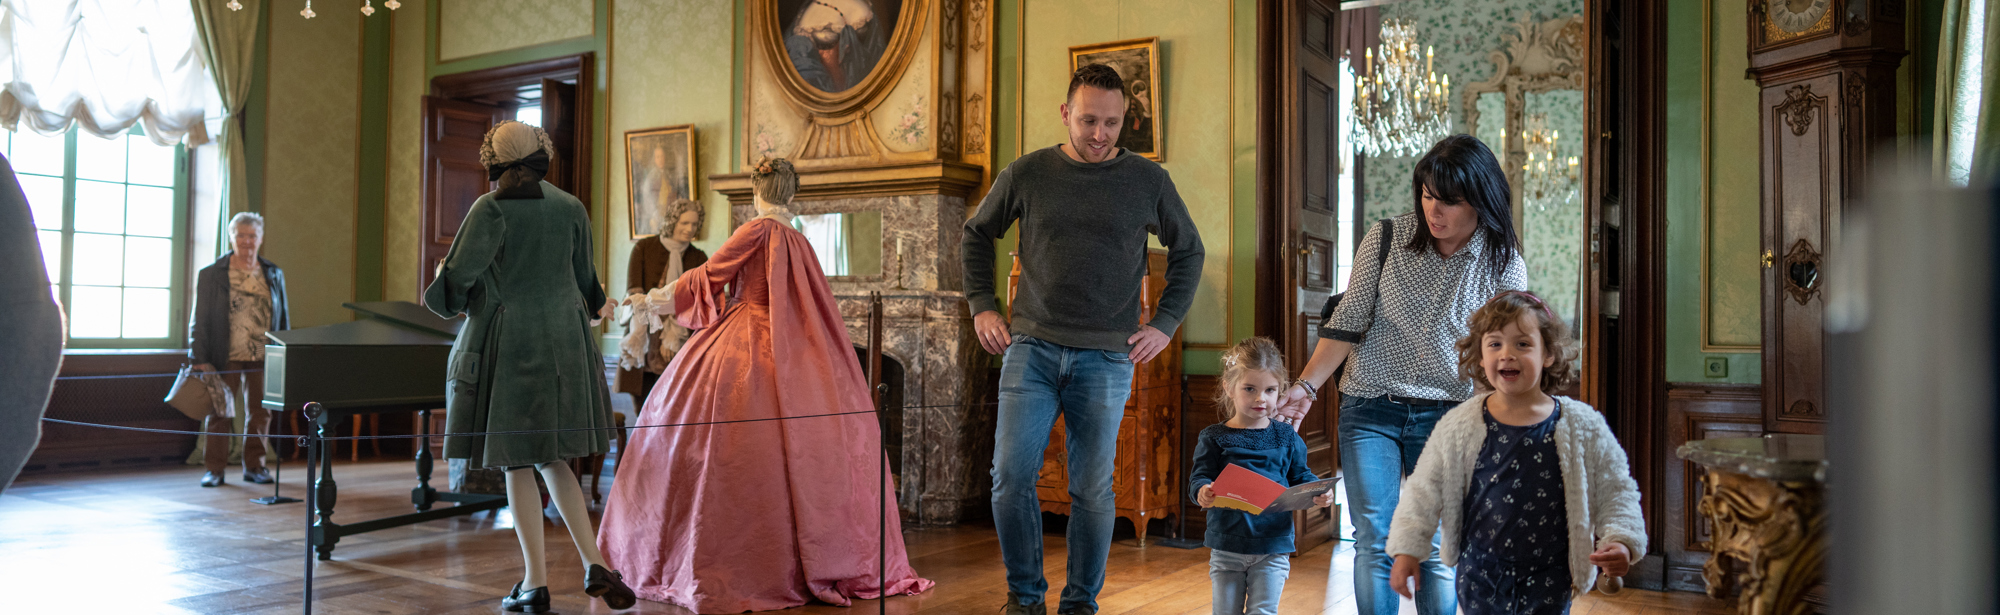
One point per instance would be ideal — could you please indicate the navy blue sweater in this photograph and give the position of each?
(1275, 452)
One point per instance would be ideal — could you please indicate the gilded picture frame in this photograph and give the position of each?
(659, 169)
(1138, 63)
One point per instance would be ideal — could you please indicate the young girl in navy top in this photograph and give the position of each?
(1533, 491)
(1249, 555)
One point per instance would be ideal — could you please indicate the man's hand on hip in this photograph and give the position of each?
(1147, 343)
(992, 330)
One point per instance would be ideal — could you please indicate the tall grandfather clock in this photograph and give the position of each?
(1827, 73)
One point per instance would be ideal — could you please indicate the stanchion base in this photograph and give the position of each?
(275, 499)
(1175, 543)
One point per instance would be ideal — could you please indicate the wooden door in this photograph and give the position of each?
(567, 120)
(1308, 169)
(453, 177)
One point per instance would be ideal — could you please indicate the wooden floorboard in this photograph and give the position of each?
(148, 540)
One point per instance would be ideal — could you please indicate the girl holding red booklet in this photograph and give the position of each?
(1249, 555)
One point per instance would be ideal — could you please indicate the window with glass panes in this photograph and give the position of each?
(110, 214)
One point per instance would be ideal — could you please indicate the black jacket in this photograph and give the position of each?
(208, 331)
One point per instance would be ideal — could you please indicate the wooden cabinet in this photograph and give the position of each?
(1145, 481)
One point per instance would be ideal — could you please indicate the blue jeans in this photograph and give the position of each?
(1379, 444)
(1247, 584)
(1040, 380)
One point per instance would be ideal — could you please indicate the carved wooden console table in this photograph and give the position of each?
(1765, 498)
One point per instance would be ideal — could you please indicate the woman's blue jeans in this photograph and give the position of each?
(1039, 381)
(1380, 440)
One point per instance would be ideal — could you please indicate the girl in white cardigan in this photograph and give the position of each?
(1533, 491)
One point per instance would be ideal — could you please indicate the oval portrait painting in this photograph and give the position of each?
(834, 44)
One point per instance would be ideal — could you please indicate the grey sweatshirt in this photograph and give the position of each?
(1083, 247)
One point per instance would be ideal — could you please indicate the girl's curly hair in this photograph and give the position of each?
(1252, 354)
(1506, 309)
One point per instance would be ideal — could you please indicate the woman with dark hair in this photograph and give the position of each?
(769, 495)
(1398, 321)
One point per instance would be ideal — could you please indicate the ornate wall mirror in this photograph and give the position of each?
(848, 243)
(1531, 112)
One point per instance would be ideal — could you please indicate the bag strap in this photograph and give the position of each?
(1382, 251)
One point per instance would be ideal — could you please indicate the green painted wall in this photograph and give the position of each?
(1208, 57)
(674, 63)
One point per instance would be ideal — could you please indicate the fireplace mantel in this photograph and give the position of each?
(913, 178)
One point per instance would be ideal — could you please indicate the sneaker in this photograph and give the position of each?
(261, 476)
(1014, 606)
(211, 479)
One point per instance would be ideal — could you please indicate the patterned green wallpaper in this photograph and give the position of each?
(666, 72)
(1201, 144)
(407, 87)
(311, 140)
(484, 26)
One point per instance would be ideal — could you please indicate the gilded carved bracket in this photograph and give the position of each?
(1775, 531)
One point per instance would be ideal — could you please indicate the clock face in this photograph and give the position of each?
(1795, 16)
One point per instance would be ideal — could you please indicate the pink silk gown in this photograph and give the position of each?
(761, 515)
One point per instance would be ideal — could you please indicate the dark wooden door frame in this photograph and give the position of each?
(1631, 139)
(498, 86)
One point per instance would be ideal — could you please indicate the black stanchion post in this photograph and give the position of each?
(881, 393)
(882, 503)
(311, 441)
(277, 479)
(1180, 539)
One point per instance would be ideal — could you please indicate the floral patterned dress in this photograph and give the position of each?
(1516, 556)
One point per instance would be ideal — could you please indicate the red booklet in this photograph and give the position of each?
(1250, 492)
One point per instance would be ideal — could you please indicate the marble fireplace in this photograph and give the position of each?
(901, 239)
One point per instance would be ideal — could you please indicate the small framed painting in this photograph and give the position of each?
(659, 170)
(1138, 64)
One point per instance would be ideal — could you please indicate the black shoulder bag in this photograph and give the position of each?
(1381, 259)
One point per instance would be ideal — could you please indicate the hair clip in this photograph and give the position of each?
(1229, 360)
(1538, 302)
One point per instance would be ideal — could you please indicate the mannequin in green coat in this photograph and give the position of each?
(520, 270)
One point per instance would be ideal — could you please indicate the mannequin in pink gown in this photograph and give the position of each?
(769, 514)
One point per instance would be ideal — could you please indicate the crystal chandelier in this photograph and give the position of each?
(1400, 105)
(1547, 177)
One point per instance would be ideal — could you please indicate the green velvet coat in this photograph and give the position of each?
(521, 272)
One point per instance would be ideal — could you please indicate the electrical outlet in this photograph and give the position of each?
(1715, 367)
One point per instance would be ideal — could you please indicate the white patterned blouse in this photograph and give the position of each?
(1405, 316)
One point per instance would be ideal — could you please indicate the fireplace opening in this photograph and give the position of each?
(892, 407)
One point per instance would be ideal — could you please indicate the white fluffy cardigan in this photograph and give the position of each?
(1598, 490)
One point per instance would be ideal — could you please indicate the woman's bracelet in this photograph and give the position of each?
(1311, 392)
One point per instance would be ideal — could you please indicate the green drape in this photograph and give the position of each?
(229, 46)
(1966, 130)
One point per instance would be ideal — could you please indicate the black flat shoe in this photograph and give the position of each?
(532, 601)
(609, 585)
(211, 479)
(261, 477)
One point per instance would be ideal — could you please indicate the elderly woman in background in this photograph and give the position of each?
(651, 341)
(237, 300)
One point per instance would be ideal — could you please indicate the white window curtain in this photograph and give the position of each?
(105, 65)
(1966, 136)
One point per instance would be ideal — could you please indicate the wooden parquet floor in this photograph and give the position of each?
(151, 541)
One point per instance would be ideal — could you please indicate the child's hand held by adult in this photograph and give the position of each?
(1403, 577)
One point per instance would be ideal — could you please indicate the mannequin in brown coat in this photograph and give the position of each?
(651, 257)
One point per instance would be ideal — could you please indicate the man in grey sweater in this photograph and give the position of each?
(1085, 209)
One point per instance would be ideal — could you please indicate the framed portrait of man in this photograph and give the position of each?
(659, 169)
(1138, 64)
